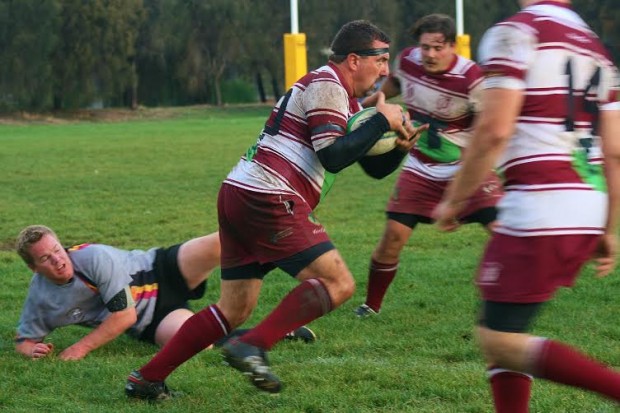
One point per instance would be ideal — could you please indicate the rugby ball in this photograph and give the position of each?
(385, 144)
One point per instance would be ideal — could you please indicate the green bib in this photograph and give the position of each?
(446, 153)
(589, 173)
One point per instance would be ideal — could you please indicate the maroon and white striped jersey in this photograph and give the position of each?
(447, 100)
(285, 160)
(550, 53)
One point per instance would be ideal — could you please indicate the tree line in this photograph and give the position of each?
(62, 54)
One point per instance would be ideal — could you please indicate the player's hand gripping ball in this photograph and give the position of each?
(385, 144)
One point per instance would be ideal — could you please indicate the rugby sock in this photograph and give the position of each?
(563, 364)
(197, 333)
(306, 302)
(380, 277)
(511, 390)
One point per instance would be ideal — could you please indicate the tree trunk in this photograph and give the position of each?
(276, 88)
(218, 91)
(57, 102)
(261, 87)
(133, 97)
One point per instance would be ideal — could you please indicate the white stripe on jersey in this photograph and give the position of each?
(435, 171)
(530, 213)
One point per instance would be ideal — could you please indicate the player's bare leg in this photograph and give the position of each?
(198, 257)
(383, 266)
(325, 284)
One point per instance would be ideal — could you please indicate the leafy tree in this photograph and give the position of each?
(260, 29)
(71, 53)
(159, 49)
(609, 17)
(97, 48)
(116, 71)
(74, 60)
(28, 36)
(211, 46)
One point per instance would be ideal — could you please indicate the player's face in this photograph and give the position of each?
(437, 54)
(371, 69)
(51, 260)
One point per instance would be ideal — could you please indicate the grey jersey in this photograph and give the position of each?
(101, 272)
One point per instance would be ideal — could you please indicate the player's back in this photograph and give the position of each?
(549, 53)
(565, 70)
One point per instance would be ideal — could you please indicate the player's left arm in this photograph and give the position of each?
(122, 316)
(608, 247)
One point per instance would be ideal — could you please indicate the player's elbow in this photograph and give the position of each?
(124, 319)
(131, 318)
(330, 162)
(492, 137)
(496, 141)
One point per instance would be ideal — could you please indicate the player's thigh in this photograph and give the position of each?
(333, 272)
(238, 298)
(198, 257)
(170, 324)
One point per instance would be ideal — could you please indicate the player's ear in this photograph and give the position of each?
(353, 60)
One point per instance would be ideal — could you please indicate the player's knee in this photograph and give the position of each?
(348, 287)
(386, 256)
(507, 350)
(236, 313)
(341, 289)
(390, 247)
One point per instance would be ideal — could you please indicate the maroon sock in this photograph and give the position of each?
(511, 390)
(563, 364)
(197, 333)
(306, 302)
(380, 277)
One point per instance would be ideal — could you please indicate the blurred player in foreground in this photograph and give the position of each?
(550, 92)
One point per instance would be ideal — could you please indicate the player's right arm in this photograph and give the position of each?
(34, 349)
(33, 326)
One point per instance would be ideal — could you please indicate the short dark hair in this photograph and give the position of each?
(30, 236)
(434, 23)
(354, 36)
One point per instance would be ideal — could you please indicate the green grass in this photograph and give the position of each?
(154, 181)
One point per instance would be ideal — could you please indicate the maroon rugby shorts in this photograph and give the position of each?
(416, 195)
(263, 228)
(531, 269)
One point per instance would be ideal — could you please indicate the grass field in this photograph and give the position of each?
(152, 180)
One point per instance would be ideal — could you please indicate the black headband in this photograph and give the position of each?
(366, 52)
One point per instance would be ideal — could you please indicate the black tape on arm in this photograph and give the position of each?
(380, 166)
(351, 147)
(121, 301)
